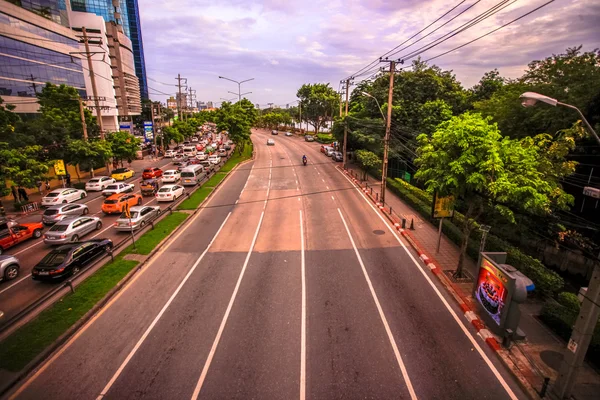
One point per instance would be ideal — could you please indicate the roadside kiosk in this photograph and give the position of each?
(498, 291)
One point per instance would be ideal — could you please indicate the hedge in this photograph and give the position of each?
(547, 282)
(325, 138)
(561, 319)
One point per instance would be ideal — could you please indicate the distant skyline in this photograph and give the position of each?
(285, 44)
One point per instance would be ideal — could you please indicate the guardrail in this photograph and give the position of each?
(70, 284)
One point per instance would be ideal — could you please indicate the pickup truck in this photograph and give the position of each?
(12, 233)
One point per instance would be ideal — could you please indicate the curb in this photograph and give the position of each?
(470, 315)
(57, 344)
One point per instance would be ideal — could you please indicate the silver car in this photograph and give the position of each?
(71, 229)
(140, 216)
(53, 214)
(9, 267)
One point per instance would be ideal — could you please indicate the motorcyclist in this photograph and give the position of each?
(304, 160)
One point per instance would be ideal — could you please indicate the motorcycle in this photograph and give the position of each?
(304, 161)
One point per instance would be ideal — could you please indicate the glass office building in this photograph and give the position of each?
(126, 14)
(54, 10)
(35, 50)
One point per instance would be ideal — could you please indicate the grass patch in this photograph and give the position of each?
(238, 158)
(149, 240)
(31, 339)
(215, 179)
(195, 199)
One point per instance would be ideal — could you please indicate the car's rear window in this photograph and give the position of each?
(119, 170)
(111, 201)
(148, 170)
(134, 214)
(52, 194)
(94, 180)
(50, 212)
(164, 190)
(59, 228)
(187, 174)
(56, 257)
(112, 187)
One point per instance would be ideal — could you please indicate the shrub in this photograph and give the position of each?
(570, 301)
(547, 282)
(325, 138)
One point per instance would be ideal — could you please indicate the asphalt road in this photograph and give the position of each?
(288, 284)
(17, 294)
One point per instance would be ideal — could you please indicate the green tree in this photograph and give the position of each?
(22, 165)
(468, 158)
(171, 134)
(88, 155)
(318, 102)
(238, 120)
(124, 146)
(489, 84)
(367, 160)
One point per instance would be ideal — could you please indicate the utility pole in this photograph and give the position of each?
(300, 110)
(93, 79)
(388, 123)
(345, 154)
(341, 93)
(83, 124)
(179, 79)
(581, 337)
(162, 142)
(33, 85)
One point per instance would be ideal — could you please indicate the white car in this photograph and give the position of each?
(214, 159)
(169, 193)
(194, 139)
(201, 156)
(118, 188)
(222, 152)
(288, 134)
(61, 196)
(99, 183)
(171, 175)
(170, 153)
(270, 142)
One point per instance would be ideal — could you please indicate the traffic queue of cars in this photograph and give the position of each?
(70, 221)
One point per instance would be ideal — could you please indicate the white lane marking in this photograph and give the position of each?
(113, 300)
(27, 248)
(303, 325)
(160, 314)
(327, 187)
(237, 201)
(443, 300)
(411, 390)
(298, 198)
(213, 349)
(14, 283)
(332, 198)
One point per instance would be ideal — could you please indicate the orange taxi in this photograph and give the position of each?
(115, 204)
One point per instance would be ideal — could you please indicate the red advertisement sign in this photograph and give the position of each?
(491, 291)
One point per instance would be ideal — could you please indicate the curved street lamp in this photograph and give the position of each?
(378, 106)
(239, 83)
(529, 99)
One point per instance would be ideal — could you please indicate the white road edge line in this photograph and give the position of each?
(160, 314)
(409, 385)
(439, 294)
(213, 349)
(303, 324)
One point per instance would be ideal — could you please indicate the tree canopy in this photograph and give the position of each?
(319, 103)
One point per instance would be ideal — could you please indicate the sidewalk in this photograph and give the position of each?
(533, 359)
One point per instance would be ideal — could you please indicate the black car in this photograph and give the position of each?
(69, 259)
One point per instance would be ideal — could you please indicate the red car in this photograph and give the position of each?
(153, 172)
(199, 147)
(12, 233)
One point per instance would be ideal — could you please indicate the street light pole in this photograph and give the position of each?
(239, 83)
(529, 99)
(574, 354)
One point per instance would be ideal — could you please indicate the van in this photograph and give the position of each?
(192, 175)
(190, 151)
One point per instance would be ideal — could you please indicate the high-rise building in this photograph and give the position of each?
(172, 103)
(54, 10)
(124, 13)
(35, 50)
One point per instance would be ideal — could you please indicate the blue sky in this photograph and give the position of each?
(283, 44)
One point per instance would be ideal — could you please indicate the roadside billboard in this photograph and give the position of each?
(148, 132)
(59, 168)
(492, 290)
(442, 207)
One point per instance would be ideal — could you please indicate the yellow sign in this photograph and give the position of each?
(443, 207)
(59, 168)
(127, 210)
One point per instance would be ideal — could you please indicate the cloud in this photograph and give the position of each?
(285, 44)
